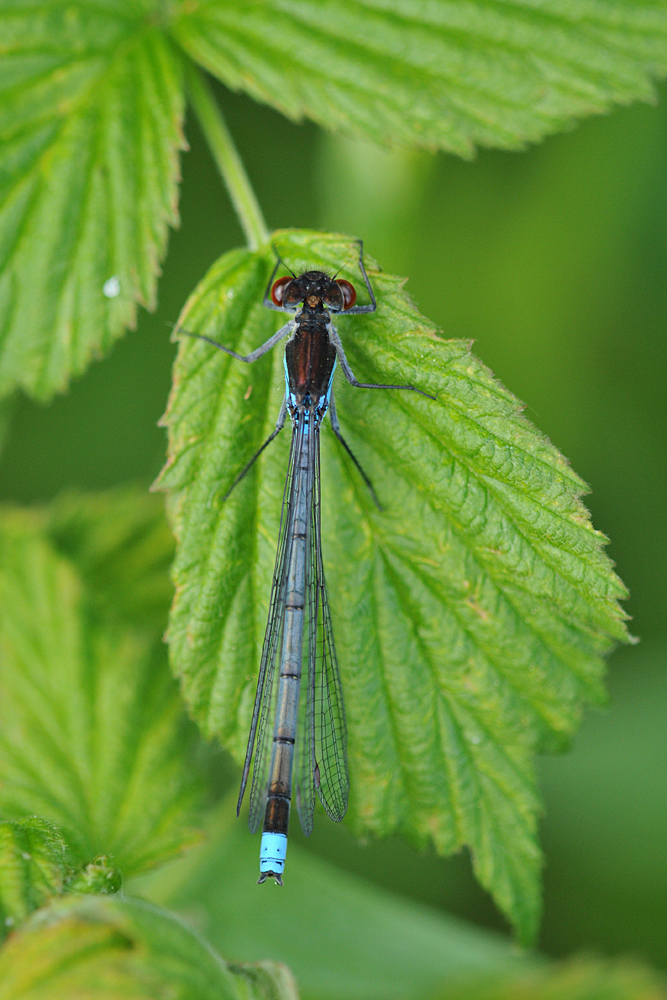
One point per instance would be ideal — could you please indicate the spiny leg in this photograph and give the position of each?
(349, 374)
(280, 423)
(372, 305)
(335, 427)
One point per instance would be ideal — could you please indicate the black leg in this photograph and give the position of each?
(335, 427)
(372, 306)
(349, 375)
(280, 423)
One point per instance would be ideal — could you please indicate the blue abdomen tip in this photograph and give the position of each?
(272, 851)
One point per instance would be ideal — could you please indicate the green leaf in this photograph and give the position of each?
(449, 74)
(471, 615)
(92, 735)
(111, 949)
(91, 107)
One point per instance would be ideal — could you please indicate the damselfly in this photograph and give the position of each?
(309, 736)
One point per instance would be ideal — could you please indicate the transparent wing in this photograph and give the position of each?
(331, 775)
(263, 713)
(322, 751)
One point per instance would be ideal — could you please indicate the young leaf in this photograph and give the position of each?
(112, 948)
(33, 868)
(471, 614)
(99, 876)
(450, 75)
(91, 107)
(91, 731)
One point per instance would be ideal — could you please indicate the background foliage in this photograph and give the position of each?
(554, 261)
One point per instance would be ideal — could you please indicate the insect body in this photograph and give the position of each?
(298, 738)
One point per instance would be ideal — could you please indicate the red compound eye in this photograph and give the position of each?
(349, 293)
(278, 290)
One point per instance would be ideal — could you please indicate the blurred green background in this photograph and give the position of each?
(555, 262)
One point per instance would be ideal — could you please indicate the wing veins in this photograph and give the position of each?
(272, 643)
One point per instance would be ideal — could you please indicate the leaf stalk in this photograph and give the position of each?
(227, 158)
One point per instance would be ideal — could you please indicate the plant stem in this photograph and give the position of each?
(226, 157)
